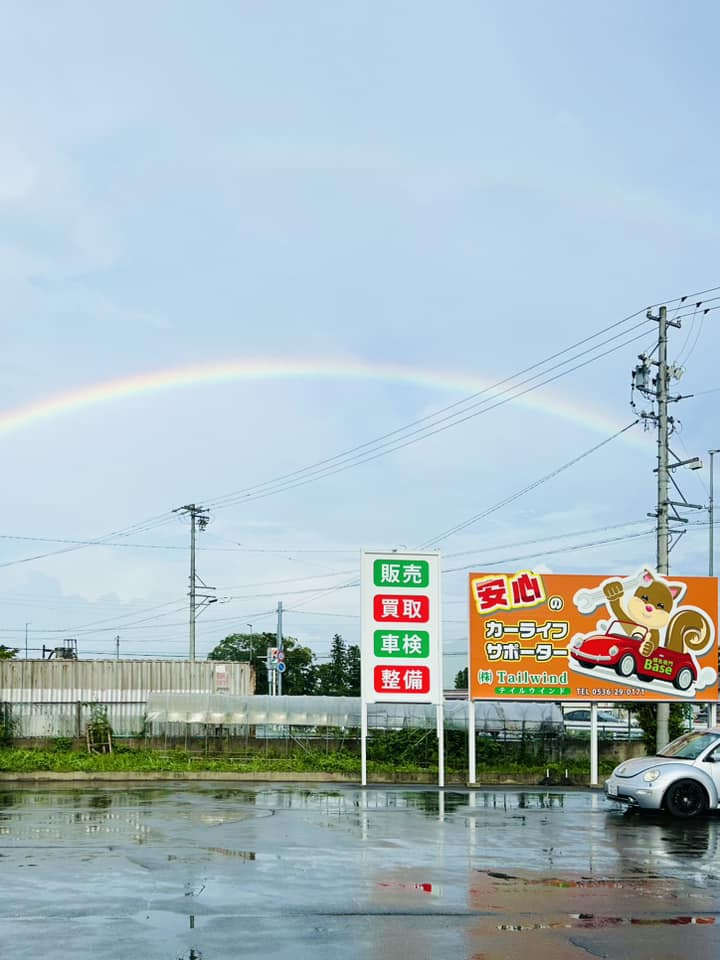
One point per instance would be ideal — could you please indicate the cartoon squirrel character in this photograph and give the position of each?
(651, 606)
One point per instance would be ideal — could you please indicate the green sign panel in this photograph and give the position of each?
(403, 644)
(401, 573)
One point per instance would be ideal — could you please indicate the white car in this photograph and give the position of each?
(577, 720)
(683, 779)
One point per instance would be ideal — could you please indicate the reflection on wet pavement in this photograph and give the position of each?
(194, 871)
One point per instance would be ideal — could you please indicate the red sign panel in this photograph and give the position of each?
(401, 608)
(401, 679)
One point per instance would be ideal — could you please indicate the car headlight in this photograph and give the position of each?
(613, 651)
(651, 775)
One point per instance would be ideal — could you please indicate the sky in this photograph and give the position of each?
(238, 239)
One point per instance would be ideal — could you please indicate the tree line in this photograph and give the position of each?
(304, 675)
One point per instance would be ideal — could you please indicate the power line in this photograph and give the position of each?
(349, 459)
(144, 624)
(228, 500)
(110, 543)
(318, 613)
(548, 553)
(555, 536)
(289, 550)
(429, 417)
(701, 393)
(310, 576)
(288, 593)
(493, 563)
(353, 458)
(477, 564)
(693, 313)
(97, 627)
(116, 622)
(97, 541)
(244, 494)
(519, 493)
(492, 509)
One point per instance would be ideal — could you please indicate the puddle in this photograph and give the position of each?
(589, 921)
(240, 854)
(607, 882)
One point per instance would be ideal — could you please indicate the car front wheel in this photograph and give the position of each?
(626, 665)
(686, 798)
(684, 679)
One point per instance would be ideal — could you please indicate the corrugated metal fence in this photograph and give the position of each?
(54, 698)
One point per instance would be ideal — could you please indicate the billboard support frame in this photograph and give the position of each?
(363, 742)
(472, 746)
(440, 729)
(593, 744)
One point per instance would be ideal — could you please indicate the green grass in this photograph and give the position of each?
(139, 761)
(179, 761)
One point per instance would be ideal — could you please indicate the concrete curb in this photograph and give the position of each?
(154, 776)
(274, 776)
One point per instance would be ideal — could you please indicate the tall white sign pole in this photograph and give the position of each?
(440, 721)
(363, 742)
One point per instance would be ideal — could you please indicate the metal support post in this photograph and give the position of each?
(363, 741)
(440, 721)
(593, 744)
(711, 516)
(472, 751)
(279, 644)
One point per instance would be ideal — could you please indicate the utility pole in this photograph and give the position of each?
(656, 389)
(663, 493)
(26, 635)
(117, 647)
(199, 517)
(279, 644)
(712, 707)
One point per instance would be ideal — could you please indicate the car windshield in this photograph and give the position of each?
(689, 746)
(628, 628)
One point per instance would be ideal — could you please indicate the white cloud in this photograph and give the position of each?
(706, 678)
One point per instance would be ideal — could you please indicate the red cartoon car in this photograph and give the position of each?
(619, 648)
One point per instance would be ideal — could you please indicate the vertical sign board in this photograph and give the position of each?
(401, 628)
(221, 678)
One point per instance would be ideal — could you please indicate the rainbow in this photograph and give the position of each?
(259, 369)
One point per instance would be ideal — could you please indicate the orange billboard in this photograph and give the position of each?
(583, 637)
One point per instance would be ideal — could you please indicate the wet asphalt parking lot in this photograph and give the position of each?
(218, 871)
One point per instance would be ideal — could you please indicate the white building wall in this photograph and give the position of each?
(53, 698)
